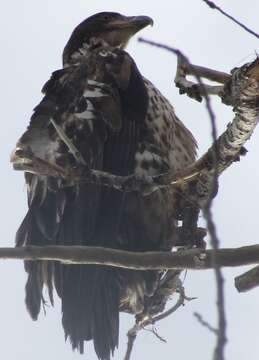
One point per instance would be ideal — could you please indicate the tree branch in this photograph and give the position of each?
(221, 330)
(212, 5)
(195, 259)
(248, 280)
(195, 90)
(140, 325)
(205, 323)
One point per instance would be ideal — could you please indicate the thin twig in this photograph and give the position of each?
(221, 332)
(194, 72)
(212, 177)
(154, 332)
(179, 303)
(69, 143)
(148, 320)
(212, 5)
(211, 187)
(205, 323)
(131, 340)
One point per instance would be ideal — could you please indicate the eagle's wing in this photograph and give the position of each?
(100, 105)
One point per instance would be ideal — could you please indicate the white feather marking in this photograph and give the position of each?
(87, 114)
(90, 123)
(146, 155)
(93, 82)
(96, 92)
(90, 106)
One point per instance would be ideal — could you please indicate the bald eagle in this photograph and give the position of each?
(99, 111)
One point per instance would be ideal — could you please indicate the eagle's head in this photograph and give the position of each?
(112, 28)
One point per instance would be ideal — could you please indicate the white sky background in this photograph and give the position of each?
(32, 37)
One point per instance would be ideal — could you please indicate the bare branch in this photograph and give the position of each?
(212, 184)
(205, 323)
(183, 59)
(148, 320)
(179, 303)
(221, 331)
(212, 5)
(154, 332)
(23, 159)
(195, 259)
(131, 340)
(206, 73)
(206, 188)
(248, 280)
(192, 89)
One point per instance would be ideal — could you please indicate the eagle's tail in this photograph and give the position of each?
(89, 295)
(90, 307)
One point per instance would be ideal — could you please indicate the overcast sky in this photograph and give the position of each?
(32, 37)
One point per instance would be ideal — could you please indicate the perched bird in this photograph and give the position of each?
(99, 111)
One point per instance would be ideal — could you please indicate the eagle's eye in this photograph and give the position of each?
(107, 17)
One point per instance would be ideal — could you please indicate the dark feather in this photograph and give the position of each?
(83, 214)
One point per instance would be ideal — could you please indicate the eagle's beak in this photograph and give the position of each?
(132, 23)
(140, 22)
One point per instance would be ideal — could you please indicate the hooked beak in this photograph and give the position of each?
(132, 23)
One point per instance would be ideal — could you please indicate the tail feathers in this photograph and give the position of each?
(39, 272)
(33, 290)
(89, 294)
(106, 315)
(90, 308)
(21, 238)
(90, 303)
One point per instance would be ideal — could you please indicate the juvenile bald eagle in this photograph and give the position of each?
(98, 111)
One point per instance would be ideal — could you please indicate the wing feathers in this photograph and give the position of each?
(100, 105)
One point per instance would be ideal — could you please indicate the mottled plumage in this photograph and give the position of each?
(117, 122)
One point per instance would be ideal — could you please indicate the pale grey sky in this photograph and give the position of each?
(32, 37)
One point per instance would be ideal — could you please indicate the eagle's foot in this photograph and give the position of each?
(191, 238)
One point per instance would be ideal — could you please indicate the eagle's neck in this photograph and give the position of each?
(85, 50)
(91, 44)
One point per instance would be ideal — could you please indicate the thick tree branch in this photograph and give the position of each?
(247, 281)
(195, 259)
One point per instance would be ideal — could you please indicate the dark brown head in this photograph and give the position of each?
(113, 28)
